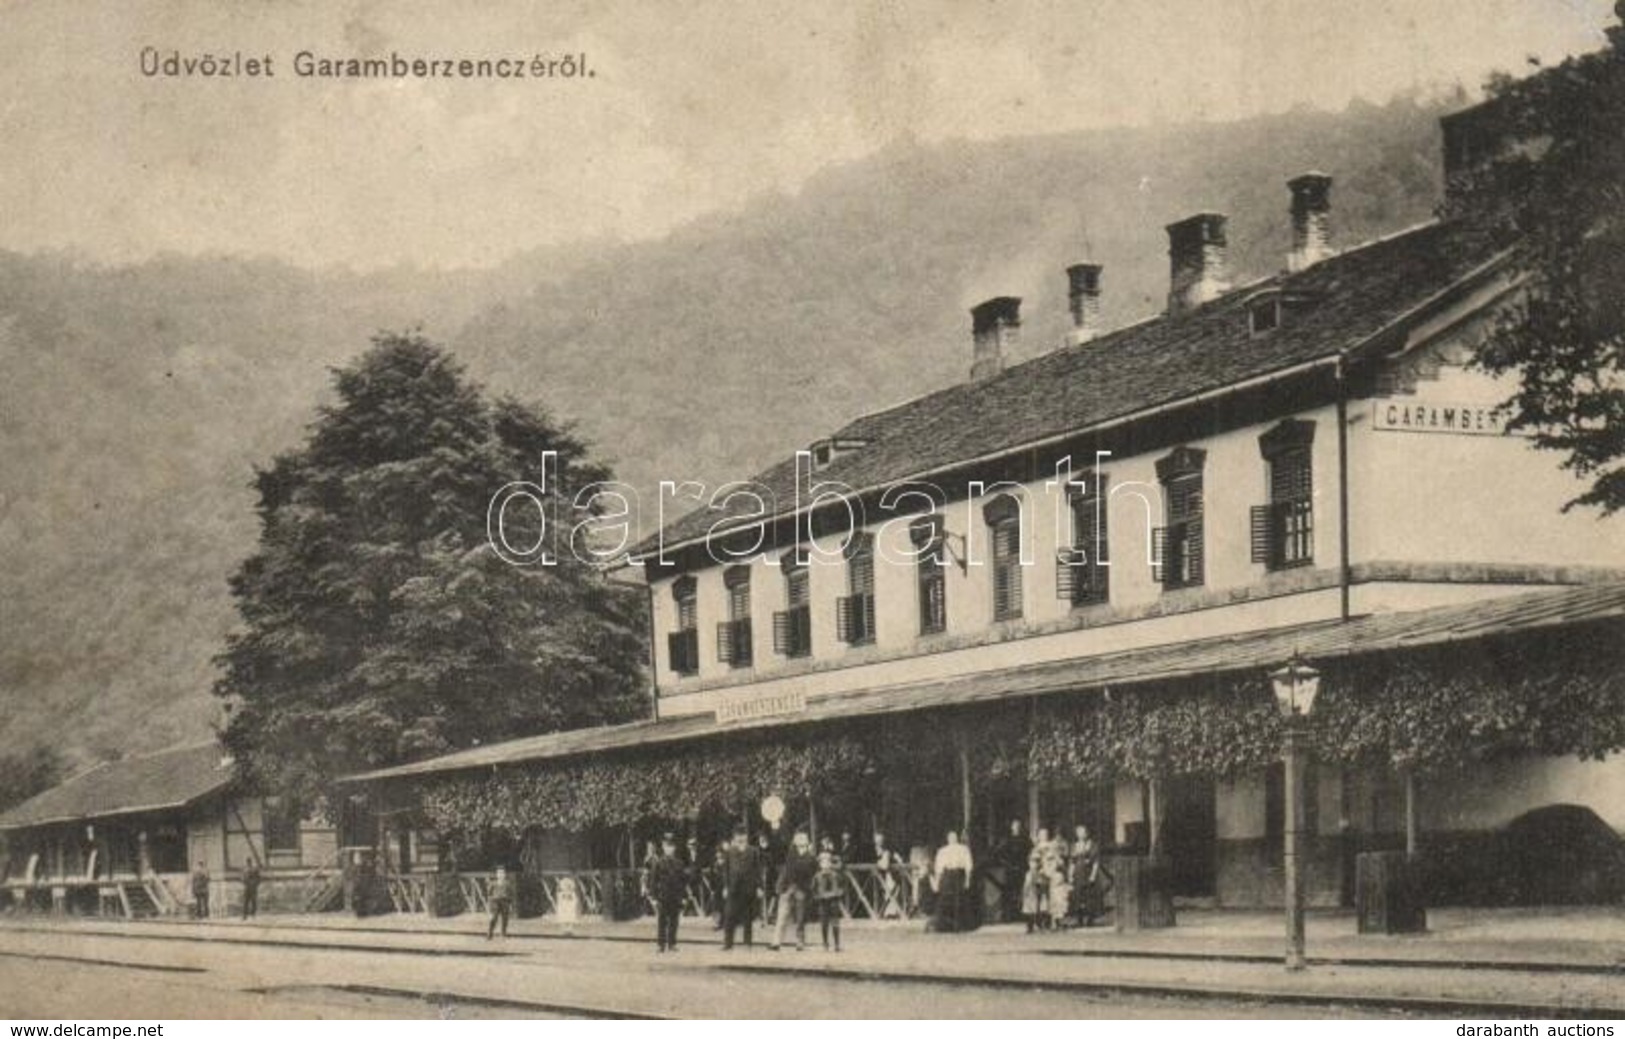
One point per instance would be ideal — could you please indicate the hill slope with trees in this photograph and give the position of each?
(137, 399)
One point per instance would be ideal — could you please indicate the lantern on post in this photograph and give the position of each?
(1295, 685)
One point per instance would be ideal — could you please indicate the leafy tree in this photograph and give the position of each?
(27, 772)
(379, 624)
(1554, 195)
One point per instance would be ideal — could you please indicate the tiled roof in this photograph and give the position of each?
(1257, 650)
(1340, 303)
(152, 782)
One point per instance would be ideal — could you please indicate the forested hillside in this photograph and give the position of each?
(135, 401)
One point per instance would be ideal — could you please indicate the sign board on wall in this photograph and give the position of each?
(1409, 415)
(761, 706)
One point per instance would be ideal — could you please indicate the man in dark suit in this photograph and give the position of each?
(741, 877)
(794, 889)
(251, 889)
(1014, 851)
(200, 892)
(668, 885)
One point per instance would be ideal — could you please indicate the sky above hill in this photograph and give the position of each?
(692, 107)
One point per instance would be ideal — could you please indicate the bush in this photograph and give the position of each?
(623, 895)
(367, 894)
(444, 895)
(530, 896)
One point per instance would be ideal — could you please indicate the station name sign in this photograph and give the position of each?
(1415, 416)
(761, 706)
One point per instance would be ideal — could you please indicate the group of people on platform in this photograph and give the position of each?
(794, 883)
(201, 883)
(1050, 883)
(783, 883)
(1062, 884)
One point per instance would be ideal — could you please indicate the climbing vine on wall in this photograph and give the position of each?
(1219, 727)
(1424, 710)
(621, 791)
(1440, 708)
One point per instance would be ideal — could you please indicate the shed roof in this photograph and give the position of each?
(163, 781)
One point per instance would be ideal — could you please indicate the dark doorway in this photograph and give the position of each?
(1190, 834)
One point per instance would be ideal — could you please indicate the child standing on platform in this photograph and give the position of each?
(826, 893)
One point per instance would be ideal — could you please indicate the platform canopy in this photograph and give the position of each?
(1318, 642)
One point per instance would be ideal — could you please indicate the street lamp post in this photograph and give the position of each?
(1295, 687)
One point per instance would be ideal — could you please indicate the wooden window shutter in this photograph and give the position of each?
(801, 621)
(782, 633)
(1261, 536)
(1194, 550)
(933, 596)
(725, 642)
(682, 651)
(1007, 569)
(1067, 564)
(843, 619)
(1159, 554)
(1087, 578)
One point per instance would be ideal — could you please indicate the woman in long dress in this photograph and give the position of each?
(1060, 888)
(1089, 881)
(1033, 885)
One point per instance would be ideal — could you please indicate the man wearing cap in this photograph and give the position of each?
(668, 883)
(794, 888)
(741, 877)
(500, 898)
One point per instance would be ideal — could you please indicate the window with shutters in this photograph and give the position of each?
(1178, 546)
(926, 533)
(1283, 529)
(855, 611)
(1083, 572)
(1003, 516)
(792, 626)
(734, 634)
(683, 645)
(281, 825)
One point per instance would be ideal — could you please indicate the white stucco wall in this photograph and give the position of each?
(1486, 796)
(1234, 481)
(1443, 497)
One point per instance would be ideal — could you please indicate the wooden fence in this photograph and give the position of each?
(870, 893)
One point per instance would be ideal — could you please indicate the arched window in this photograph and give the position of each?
(1003, 517)
(855, 611)
(1283, 531)
(926, 534)
(734, 634)
(792, 626)
(1178, 546)
(683, 645)
(1083, 574)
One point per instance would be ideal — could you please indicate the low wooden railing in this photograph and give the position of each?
(869, 892)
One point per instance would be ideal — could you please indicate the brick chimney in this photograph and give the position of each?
(1196, 259)
(995, 324)
(1083, 299)
(1311, 220)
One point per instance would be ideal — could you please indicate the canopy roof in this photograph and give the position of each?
(1257, 650)
(164, 781)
